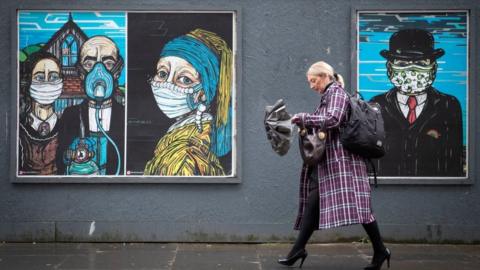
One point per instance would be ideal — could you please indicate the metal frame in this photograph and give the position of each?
(12, 123)
(472, 98)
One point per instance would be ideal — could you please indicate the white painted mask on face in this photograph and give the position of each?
(175, 86)
(174, 101)
(46, 92)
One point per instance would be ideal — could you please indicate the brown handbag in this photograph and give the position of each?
(312, 144)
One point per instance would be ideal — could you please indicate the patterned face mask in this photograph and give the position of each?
(412, 79)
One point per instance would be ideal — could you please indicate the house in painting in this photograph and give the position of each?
(65, 44)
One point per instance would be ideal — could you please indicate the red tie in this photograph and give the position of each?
(412, 104)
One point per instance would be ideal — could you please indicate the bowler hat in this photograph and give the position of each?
(412, 44)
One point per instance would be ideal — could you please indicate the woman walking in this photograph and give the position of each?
(336, 191)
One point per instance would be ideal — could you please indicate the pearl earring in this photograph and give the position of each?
(198, 118)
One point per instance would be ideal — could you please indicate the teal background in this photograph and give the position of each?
(450, 33)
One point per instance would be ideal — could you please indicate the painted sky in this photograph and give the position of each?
(450, 33)
(37, 27)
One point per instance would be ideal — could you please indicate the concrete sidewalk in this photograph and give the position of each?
(30, 256)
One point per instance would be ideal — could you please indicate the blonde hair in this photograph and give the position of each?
(322, 67)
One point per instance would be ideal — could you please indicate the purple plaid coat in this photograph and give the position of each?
(344, 188)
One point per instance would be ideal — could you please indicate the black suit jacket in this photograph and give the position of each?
(431, 146)
(70, 129)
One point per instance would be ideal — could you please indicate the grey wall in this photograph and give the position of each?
(280, 39)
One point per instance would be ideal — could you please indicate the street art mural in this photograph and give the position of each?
(189, 62)
(71, 93)
(414, 64)
(76, 117)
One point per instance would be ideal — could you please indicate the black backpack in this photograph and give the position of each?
(363, 132)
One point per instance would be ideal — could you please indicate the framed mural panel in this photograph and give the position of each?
(415, 64)
(186, 129)
(125, 96)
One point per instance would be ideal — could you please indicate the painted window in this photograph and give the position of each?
(69, 51)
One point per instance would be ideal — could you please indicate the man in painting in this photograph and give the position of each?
(192, 85)
(423, 125)
(92, 137)
(38, 127)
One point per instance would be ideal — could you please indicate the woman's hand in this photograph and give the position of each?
(297, 119)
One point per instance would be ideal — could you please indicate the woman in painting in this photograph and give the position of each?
(38, 127)
(192, 85)
(336, 191)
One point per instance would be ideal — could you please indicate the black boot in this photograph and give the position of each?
(380, 252)
(309, 225)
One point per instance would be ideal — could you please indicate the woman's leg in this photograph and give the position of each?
(380, 252)
(309, 221)
(375, 237)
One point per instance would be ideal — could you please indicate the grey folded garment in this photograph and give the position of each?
(278, 126)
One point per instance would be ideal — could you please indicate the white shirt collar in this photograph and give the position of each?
(403, 98)
(52, 120)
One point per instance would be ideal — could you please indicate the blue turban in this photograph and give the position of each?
(201, 57)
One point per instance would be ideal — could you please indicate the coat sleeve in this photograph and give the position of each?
(335, 113)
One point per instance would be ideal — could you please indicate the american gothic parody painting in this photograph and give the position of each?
(108, 93)
(415, 65)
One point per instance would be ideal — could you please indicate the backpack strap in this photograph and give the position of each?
(374, 172)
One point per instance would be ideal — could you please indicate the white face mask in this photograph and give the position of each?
(46, 92)
(173, 100)
(412, 79)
